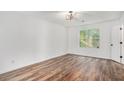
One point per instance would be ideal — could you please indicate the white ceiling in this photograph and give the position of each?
(89, 17)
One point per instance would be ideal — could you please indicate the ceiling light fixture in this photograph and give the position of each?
(70, 15)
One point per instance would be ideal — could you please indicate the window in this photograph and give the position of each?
(89, 38)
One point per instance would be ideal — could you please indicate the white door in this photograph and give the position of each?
(122, 46)
(116, 50)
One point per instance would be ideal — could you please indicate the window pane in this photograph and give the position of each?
(89, 38)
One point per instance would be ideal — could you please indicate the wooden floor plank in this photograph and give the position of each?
(69, 67)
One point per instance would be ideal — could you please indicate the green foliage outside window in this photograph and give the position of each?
(89, 38)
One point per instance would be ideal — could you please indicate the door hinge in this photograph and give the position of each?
(120, 28)
(121, 56)
(121, 42)
(111, 44)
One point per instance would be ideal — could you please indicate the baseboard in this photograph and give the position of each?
(88, 56)
(57, 57)
(117, 62)
(96, 57)
(33, 63)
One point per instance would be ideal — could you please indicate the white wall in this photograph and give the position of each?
(26, 38)
(105, 38)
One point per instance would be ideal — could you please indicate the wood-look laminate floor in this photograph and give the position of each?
(69, 68)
